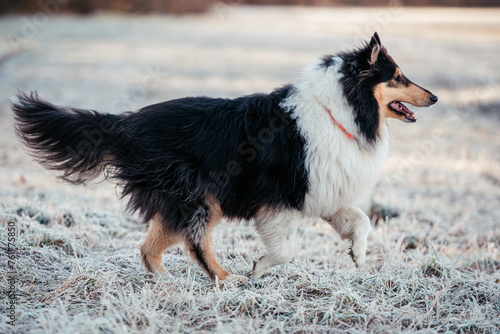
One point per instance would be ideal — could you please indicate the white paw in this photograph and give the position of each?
(159, 270)
(236, 278)
(259, 268)
(257, 274)
(360, 260)
(358, 253)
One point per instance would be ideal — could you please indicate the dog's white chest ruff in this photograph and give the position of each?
(341, 170)
(340, 173)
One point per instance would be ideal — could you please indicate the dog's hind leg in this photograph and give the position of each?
(200, 246)
(353, 224)
(279, 234)
(204, 254)
(157, 241)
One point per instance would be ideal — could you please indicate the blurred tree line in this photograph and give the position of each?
(197, 6)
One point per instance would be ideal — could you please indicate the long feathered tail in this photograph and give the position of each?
(76, 142)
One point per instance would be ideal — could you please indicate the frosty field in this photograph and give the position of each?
(433, 261)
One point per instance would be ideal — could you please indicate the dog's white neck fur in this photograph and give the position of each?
(342, 171)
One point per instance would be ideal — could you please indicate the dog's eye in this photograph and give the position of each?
(397, 78)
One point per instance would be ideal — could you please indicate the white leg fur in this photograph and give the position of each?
(353, 224)
(279, 234)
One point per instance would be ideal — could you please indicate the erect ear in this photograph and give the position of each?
(375, 46)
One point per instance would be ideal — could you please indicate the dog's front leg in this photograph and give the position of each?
(279, 234)
(353, 224)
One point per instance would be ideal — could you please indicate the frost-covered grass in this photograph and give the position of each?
(88, 278)
(432, 266)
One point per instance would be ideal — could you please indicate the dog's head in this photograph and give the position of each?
(376, 88)
(378, 72)
(394, 88)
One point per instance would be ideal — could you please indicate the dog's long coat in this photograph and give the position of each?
(308, 149)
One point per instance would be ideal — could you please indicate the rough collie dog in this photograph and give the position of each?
(309, 149)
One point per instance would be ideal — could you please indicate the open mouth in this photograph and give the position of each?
(401, 109)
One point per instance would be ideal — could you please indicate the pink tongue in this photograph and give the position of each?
(402, 108)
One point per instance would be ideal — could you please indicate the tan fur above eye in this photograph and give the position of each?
(397, 75)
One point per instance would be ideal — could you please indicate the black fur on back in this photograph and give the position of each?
(358, 82)
(171, 158)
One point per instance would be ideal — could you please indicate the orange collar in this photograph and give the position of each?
(350, 136)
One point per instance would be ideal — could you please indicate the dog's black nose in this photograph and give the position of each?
(434, 99)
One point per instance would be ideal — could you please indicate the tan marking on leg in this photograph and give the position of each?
(205, 257)
(204, 254)
(216, 212)
(157, 241)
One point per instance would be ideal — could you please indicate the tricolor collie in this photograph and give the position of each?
(309, 149)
